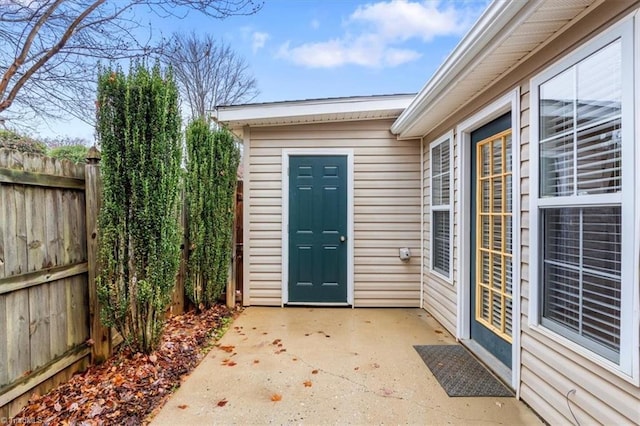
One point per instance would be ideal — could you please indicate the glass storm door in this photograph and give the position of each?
(491, 251)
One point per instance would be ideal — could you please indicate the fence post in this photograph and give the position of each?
(231, 283)
(100, 334)
(178, 295)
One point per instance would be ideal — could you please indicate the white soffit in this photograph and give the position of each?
(313, 111)
(506, 34)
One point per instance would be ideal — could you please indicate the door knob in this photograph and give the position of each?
(343, 238)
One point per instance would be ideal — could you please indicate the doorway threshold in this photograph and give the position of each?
(500, 370)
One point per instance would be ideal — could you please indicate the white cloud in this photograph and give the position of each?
(258, 40)
(375, 32)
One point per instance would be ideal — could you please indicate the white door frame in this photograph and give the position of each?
(286, 154)
(508, 102)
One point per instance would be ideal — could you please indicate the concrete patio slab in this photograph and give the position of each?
(328, 366)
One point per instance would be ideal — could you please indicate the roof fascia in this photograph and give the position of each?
(283, 110)
(491, 23)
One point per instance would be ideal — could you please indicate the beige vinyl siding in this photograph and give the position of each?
(386, 209)
(439, 296)
(550, 370)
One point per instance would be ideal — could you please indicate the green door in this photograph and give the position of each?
(491, 237)
(318, 229)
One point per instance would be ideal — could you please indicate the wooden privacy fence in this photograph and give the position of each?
(49, 314)
(44, 292)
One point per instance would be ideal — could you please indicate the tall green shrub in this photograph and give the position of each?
(138, 126)
(210, 186)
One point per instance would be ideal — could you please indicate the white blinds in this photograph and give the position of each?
(580, 159)
(581, 270)
(440, 174)
(580, 144)
(440, 207)
(441, 252)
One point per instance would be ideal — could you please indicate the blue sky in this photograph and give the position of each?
(304, 49)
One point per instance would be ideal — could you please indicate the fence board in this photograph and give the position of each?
(39, 326)
(19, 282)
(35, 221)
(59, 319)
(4, 368)
(18, 356)
(77, 326)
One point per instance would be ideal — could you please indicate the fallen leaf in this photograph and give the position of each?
(294, 359)
(387, 392)
(276, 397)
(228, 348)
(314, 372)
(231, 364)
(356, 368)
(118, 379)
(222, 402)
(57, 407)
(276, 342)
(306, 334)
(307, 383)
(438, 331)
(376, 365)
(256, 361)
(153, 358)
(182, 406)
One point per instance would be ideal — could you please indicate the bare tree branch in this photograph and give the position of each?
(49, 49)
(208, 72)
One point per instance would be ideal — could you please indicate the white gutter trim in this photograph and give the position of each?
(491, 23)
(293, 109)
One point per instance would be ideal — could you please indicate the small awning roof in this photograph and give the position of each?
(313, 111)
(507, 34)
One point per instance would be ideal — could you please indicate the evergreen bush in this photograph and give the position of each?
(75, 153)
(138, 127)
(212, 163)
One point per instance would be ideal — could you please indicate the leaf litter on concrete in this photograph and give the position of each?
(129, 386)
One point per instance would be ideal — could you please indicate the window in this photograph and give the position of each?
(441, 206)
(584, 197)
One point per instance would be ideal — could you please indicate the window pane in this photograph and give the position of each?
(582, 157)
(599, 158)
(582, 273)
(440, 174)
(557, 104)
(440, 252)
(599, 85)
(556, 167)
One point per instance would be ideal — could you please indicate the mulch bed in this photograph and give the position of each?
(128, 387)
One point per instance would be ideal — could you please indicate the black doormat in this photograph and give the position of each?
(459, 373)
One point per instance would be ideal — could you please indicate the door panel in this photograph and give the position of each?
(317, 221)
(491, 236)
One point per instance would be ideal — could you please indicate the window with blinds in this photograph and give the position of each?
(441, 207)
(580, 186)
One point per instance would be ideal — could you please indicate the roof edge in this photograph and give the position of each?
(248, 113)
(491, 23)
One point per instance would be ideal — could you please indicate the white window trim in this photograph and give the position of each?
(446, 138)
(629, 363)
(504, 104)
(286, 154)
